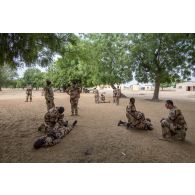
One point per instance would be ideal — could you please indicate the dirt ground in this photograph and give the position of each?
(96, 138)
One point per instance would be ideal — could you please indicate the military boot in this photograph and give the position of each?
(120, 123)
(74, 123)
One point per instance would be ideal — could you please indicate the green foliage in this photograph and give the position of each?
(94, 59)
(33, 77)
(17, 49)
(161, 58)
(112, 59)
(7, 76)
(74, 65)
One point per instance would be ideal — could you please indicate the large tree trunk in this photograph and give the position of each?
(122, 95)
(156, 90)
(0, 88)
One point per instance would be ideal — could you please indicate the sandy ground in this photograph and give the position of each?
(96, 138)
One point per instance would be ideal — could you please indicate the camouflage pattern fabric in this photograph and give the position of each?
(96, 96)
(29, 94)
(137, 119)
(74, 93)
(175, 125)
(49, 97)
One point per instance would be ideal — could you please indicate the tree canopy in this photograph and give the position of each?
(161, 58)
(18, 49)
(7, 75)
(95, 59)
(34, 77)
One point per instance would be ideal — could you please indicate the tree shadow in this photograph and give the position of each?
(155, 101)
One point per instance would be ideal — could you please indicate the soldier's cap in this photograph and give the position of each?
(132, 99)
(169, 102)
(60, 109)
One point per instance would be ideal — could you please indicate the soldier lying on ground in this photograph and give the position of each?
(136, 119)
(55, 128)
(175, 125)
(103, 99)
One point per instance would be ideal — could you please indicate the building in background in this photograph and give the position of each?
(185, 86)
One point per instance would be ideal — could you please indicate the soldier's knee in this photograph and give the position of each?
(164, 123)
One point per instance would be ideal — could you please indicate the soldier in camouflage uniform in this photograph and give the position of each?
(55, 128)
(114, 95)
(118, 95)
(74, 92)
(175, 125)
(103, 99)
(29, 93)
(136, 119)
(96, 92)
(49, 95)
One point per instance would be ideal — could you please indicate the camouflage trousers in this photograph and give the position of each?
(117, 100)
(27, 96)
(171, 130)
(141, 123)
(53, 137)
(50, 104)
(114, 99)
(96, 99)
(74, 106)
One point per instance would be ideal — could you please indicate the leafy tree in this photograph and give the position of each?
(94, 59)
(7, 75)
(34, 77)
(161, 58)
(20, 83)
(73, 65)
(17, 49)
(112, 59)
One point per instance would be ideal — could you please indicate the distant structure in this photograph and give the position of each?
(185, 86)
(138, 87)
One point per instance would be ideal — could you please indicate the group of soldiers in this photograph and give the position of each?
(173, 127)
(102, 98)
(55, 127)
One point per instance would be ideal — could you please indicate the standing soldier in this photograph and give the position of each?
(118, 95)
(175, 125)
(96, 92)
(29, 93)
(74, 92)
(114, 95)
(49, 95)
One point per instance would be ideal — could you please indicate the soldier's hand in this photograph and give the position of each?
(162, 119)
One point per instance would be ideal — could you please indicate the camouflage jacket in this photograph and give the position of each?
(118, 92)
(131, 109)
(177, 118)
(96, 92)
(74, 92)
(52, 117)
(49, 95)
(114, 92)
(29, 91)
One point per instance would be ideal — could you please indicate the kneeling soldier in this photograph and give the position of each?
(175, 125)
(55, 128)
(135, 118)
